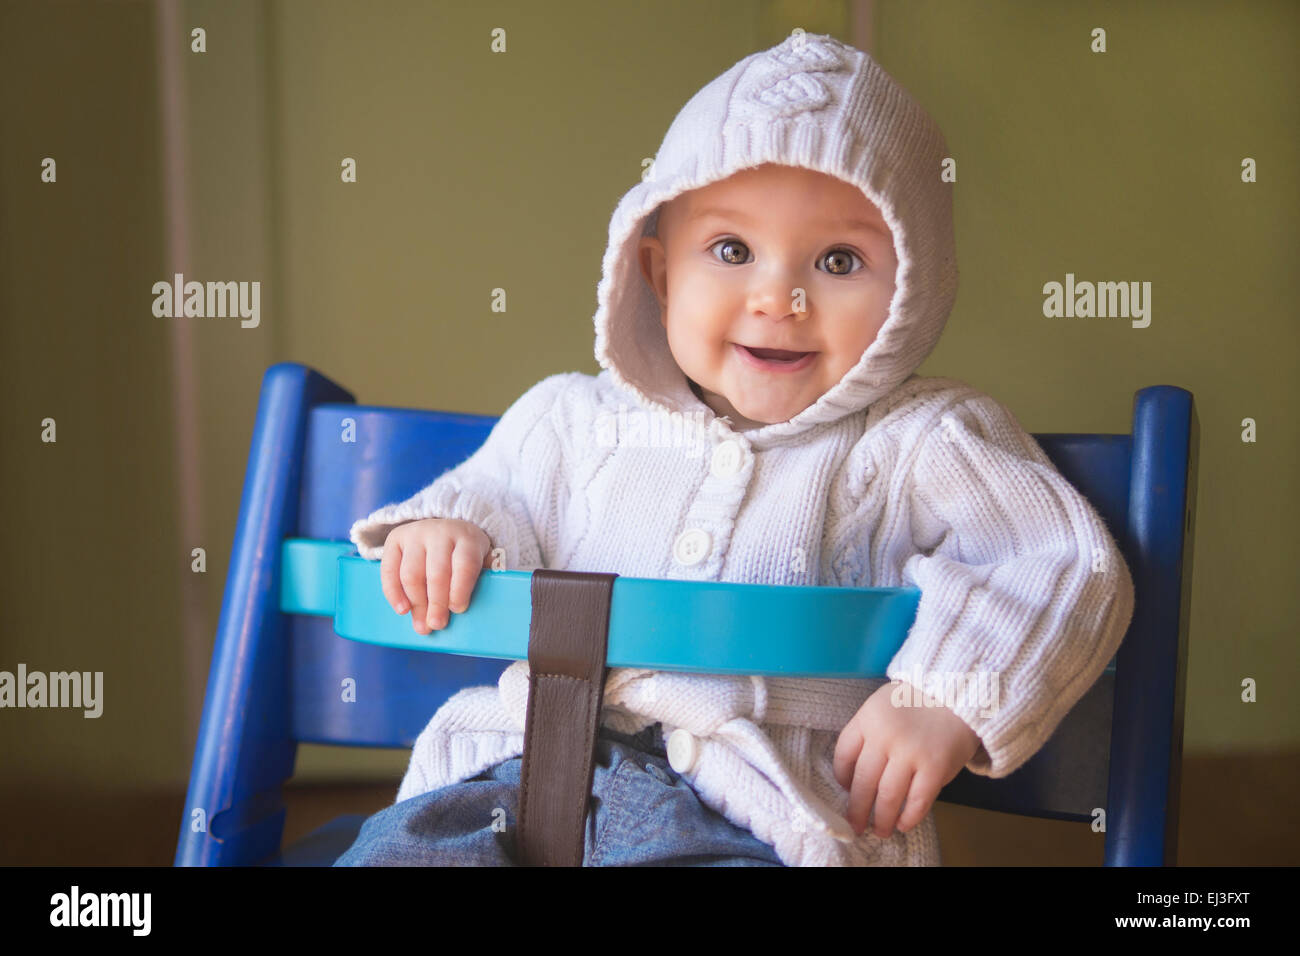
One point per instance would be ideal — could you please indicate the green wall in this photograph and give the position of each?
(479, 170)
(1126, 165)
(90, 580)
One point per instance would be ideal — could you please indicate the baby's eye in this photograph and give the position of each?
(730, 253)
(840, 262)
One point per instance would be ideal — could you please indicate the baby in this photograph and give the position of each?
(769, 289)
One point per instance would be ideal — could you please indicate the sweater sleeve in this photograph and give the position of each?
(510, 487)
(1025, 596)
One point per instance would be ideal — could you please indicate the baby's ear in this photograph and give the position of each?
(653, 262)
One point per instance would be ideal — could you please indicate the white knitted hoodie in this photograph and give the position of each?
(888, 480)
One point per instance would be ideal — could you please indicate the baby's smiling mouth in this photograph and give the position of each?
(779, 355)
(774, 359)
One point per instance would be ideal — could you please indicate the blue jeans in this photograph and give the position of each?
(641, 814)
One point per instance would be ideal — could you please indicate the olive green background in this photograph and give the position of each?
(480, 170)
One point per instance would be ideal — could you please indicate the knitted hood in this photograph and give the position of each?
(815, 102)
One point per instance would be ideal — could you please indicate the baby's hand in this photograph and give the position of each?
(890, 754)
(431, 565)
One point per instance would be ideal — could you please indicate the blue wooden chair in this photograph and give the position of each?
(276, 677)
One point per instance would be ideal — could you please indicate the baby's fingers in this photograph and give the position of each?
(438, 576)
(847, 749)
(465, 568)
(389, 565)
(894, 784)
(866, 776)
(925, 788)
(411, 576)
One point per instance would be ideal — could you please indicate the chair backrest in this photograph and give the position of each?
(359, 458)
(318, 461)
(1115, 759)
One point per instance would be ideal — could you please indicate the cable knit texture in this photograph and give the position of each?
(888, 480)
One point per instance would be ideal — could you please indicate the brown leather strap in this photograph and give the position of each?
(567, 640)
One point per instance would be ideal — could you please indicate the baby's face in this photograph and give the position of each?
(728, 265)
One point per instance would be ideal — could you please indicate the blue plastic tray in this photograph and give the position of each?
(699, 626)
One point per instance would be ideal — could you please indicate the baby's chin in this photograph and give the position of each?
(760, 417)
(743, 419)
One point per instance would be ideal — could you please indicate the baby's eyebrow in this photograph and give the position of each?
(851, 224)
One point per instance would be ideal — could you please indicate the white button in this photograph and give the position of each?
(683, 750)
(726, 459)
(692, 546)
